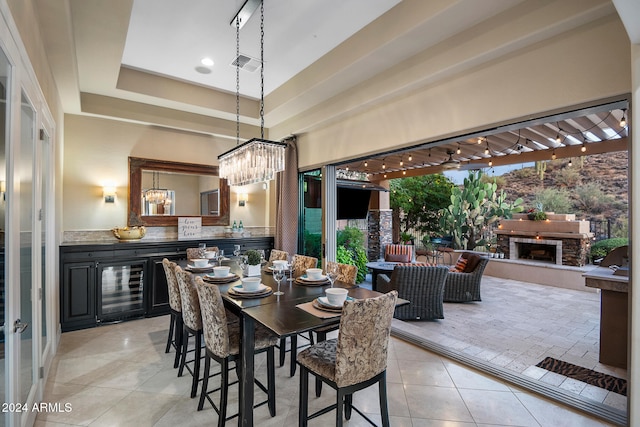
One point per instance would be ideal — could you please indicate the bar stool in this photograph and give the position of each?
(175, 308)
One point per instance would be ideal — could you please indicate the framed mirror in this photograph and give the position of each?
(161, 191)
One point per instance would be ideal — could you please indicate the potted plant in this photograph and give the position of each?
(406, 238)
(253, 262)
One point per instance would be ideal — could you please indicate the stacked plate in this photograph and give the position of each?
(321, 303)
(238, 292)
(226, 279)
(195, 269)
(306, 281)
(270, 269)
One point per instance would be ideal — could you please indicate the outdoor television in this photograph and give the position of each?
(353, 203)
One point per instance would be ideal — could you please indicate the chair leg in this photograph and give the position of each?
(205, 381)
(172, 322)
(283, 344)
(384, 410)
(348, 406)
(271, 381)
(294, 348)
(224, 390)
(183, 356)
(322, 336)
(339, 407)
(303, 407)
(196, 365)
(179, 328)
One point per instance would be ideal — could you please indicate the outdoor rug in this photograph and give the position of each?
(598, 379)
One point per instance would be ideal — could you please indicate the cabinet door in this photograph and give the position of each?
(120, 287)
(158, 297)
(78, 299)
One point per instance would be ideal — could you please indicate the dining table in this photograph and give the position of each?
(284, 315)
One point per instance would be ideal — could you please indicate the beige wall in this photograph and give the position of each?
(96, 154)
(582, 65)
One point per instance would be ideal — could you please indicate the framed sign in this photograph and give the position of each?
(189, 228)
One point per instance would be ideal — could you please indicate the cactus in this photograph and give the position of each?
(473, 208)
(541, 167)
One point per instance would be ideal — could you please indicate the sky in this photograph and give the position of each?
(457, 176)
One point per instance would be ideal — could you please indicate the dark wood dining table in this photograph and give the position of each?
(276, 312)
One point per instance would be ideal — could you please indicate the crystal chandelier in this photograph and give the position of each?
(258, 159)
(155, 195)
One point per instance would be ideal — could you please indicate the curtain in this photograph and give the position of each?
(286, 237)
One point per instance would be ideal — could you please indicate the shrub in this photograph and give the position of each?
(351, 250)
(554, 200)
(567, 177)
(590, 198)
(312, 244)
(603, 247)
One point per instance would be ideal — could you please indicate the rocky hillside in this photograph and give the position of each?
(597, 186)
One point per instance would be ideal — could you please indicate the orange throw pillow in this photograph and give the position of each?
(460, 265)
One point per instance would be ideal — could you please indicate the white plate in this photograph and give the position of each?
(212, 276)
(240, 290)
(307, 279)
(272, 268)
(325, 301)
(193, 267)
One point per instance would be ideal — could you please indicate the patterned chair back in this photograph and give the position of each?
(190, 302)
(214, 319)
(277, 255)
(346, 273)
(175, 301)
(301, 263)
(363, 341)
(194, 253)
(398, 253)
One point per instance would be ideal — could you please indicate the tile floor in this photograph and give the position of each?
(119, 375)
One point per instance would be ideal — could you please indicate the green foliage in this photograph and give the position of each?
(523, 173)
(537, 216)
(556, 200)
(405, 237)
(541, 167)
(420, 198)
(603, 247)
(312, 244)
(351, 250)
(589, 197)
(253, 257)
(567, 177)
(473, 208)
(620, 227)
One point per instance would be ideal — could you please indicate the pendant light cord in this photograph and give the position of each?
(238, 81)
(262, 69)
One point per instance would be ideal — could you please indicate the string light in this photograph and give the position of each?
(486, 150)
(401, 162)
(410, 157)
(623, 120)
(553, 155)
(583, 148)
(570, 162)
(490, 162)
(404, 172)
(384, 165)
(558, 139)
(366, 164)
(458, 151)
(479, 140)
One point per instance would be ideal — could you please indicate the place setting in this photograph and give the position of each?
(221, 274)
(251, 287)
(199, 265)
(277, 265)
(329, 305)
(314, 277)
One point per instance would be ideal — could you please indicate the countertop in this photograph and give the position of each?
(603, 278)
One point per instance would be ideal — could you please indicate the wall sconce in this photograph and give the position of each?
(109, 194)
(242, 199)
(3, 189)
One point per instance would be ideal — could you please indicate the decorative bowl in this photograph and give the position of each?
(129, 233)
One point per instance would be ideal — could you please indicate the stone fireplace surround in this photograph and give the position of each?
(570, 237)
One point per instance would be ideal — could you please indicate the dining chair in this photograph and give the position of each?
(299, 267)
(191, 327)
(194, 253)
(175, 309)
(277, 254)
(347, 274)
(222, 344)
(355, 360)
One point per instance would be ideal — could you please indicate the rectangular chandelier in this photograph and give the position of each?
(256, 160)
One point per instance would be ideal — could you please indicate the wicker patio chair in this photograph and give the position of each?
(423, 286)
(465, 286)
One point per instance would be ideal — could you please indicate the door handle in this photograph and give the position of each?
(19, 326)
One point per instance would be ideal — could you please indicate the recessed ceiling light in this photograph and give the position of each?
(207, 61)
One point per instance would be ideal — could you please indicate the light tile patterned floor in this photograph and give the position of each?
(119, 375)
(518, 324)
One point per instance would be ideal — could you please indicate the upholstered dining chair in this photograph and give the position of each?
(422, 285)
(299, 267)
(222, 344)
(193, 253)
(355, 360)
(277, 254)
(175, 309)
(192, 327)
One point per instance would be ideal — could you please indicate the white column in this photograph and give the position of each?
(329, 213)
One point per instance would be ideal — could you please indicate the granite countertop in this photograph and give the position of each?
(603, 278)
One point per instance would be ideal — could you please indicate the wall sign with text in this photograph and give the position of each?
(189, 228)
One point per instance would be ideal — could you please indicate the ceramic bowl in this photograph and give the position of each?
(336, 296)
(221, 271)
(314, 273)
(129, 233)
(279, 264)
(250, 284)
(201, 263)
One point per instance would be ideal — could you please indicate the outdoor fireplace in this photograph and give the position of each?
(559, 240)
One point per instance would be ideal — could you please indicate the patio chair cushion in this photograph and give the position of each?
(397, 257)
(472, 262)
(460, 265)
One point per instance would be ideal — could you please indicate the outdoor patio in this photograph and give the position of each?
(516, 326)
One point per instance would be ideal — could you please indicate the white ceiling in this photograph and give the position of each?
(169, 38)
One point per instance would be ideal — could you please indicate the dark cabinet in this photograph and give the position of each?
(108, 282)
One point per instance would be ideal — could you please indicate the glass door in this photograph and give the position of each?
(4, 81)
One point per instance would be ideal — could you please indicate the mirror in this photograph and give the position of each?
(161, 191)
